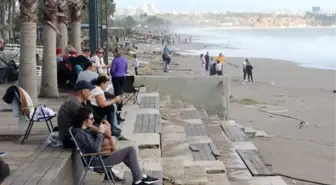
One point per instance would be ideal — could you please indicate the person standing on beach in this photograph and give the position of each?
(166, 59)
(249, 69)
(165, 49)
(135, 64)
(244, 68)
(219, 68)
(202, 58)
(207, 61)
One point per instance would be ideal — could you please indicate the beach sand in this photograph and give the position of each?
(303, 93)
(290, 90)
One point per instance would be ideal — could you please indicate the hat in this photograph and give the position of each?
(83, 85)
(58, 51)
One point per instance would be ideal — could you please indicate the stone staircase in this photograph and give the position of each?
(202, 149)
(183, 145)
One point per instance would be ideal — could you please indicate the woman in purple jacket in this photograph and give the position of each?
(118, 72)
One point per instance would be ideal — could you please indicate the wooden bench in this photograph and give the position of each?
(190, 114)
(254, 163)
(204, 151)
(234, 133)
(195, 129)
(148, 102)
(48, 166)
(147, 123)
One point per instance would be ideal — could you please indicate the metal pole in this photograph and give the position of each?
(107, 33)
(93, 25)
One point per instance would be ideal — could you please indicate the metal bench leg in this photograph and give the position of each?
(29, 127)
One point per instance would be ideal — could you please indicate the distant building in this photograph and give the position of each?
(316, 9)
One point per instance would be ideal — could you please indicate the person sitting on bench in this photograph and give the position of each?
(88, 143)
(105, 107)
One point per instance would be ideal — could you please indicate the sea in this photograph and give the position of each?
(313, 47)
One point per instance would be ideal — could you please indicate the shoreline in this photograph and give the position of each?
(305, 93)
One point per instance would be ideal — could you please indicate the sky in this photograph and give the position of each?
(229, 5)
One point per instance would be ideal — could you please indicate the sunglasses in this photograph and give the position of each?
(100, 52)
(92, 119)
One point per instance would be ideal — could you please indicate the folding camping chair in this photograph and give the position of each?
(130, 92)
(32, 119)
(87, 164)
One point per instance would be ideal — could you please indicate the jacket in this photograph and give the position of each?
(26, 104)
(87, 142)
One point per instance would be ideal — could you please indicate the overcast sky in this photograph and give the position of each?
(229, 5)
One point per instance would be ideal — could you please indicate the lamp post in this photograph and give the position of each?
(93, 24)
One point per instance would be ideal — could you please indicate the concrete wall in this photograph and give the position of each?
(209, 92)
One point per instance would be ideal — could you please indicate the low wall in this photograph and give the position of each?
(209, 92)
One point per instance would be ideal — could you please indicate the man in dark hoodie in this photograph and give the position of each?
(88, 142)
(207, 61)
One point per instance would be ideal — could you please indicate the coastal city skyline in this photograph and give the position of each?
(223, 6)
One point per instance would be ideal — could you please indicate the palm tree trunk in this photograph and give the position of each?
(49, 65)
(27, 72)
(75, 13)
(62, 39)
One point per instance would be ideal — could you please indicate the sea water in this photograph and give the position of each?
(309, 47)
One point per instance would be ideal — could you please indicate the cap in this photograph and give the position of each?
(83, 85)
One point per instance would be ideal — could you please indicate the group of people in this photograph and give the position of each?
(208, 64)
(216, 68)
(94, 115)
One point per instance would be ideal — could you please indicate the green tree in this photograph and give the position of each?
(129, 22)
(103, 5)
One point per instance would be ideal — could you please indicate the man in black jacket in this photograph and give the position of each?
(207, 61)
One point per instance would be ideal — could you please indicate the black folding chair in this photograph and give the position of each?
(130, 92)
(87, 164)
(31, 118)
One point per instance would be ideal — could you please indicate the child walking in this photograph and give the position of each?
(135, 64)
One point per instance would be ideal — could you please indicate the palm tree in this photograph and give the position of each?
(75, 7)
(49, 69)
(62, 39)
(27, 72)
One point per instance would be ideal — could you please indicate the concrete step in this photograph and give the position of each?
(177, 104)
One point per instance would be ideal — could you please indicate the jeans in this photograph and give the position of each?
(165, 66)
(127, 155)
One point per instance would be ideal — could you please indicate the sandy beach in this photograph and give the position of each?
(284, 88)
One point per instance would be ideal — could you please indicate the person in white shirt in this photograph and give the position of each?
(244, 68)
(98, 62)
(136, 64)
(219, 68)
(105, 107)
(89, 74)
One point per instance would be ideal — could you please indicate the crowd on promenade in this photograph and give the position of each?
(92, 112)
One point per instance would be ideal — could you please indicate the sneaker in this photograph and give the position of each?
(119, 118)
(121, 138)
(115, 177)
(2, 154)
(150, 180)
